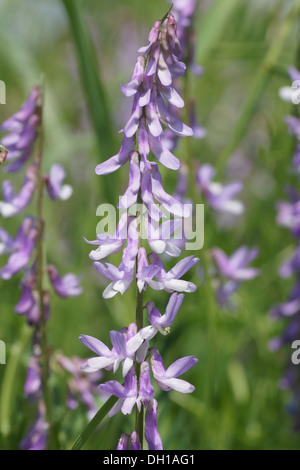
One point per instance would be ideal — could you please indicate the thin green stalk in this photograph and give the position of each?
(139, 415)
(40, 269)
(94, 423)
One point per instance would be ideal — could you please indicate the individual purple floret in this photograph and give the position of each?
(54, 183)
(127, 394)
(167, 379)
(123, 442)
(29, 305)
(15, 203)
(219, 197)
(231, 271)
(151, 431)
(156, 276)
(67, 286)
(33, 384)
(133, 439)
(235, 267)
(22, 128)
(125, 345)
(160, 322)
(20, 248)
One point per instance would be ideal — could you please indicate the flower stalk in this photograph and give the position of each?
(40, 267)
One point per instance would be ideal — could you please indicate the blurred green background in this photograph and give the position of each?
(245, 48)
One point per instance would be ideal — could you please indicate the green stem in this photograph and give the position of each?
(40, 270)
(94, 423)
(139, 416)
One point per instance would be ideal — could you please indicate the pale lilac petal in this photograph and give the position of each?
(95, 345)
(180, 366)
(115, 162)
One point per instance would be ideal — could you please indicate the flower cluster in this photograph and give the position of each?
(21, 251)
(153, 92)
(288, 216)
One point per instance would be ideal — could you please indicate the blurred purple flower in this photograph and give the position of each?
(33, 382)
(15, 203)
(54, 183)
(20, 248)
(219, 197)
(67, 286)
(235, 266)
(22, 128)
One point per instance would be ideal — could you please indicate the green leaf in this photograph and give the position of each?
(212, 25)
(94, 88)
(94, 423)
(260, 84)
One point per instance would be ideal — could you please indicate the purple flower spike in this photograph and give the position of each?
(235, 267)
(167, 379)
(13, 204)
(54, 183)
(151, 432)
(68, 286)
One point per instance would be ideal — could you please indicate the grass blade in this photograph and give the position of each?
(94, 423)
(259, 85)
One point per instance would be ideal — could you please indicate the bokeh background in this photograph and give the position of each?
(245, 49)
